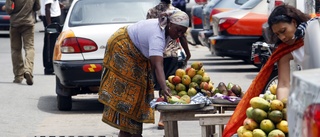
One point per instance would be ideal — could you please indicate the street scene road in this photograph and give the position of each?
(28, 111)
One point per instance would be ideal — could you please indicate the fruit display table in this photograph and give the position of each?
(211, 120)
(219, 118)
(221, 108)
(171, 118)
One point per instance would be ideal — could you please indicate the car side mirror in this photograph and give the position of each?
(53, 28)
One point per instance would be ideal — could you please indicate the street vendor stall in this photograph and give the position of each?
(198, 107)
(193, 93)
(172, 113)
(221, 104)
(171, 118)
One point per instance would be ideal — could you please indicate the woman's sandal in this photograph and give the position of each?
(160, 125)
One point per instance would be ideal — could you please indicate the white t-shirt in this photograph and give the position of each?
(148, 37)
(55, 7)
(42, 9)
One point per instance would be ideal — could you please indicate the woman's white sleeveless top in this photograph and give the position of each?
(298, 56)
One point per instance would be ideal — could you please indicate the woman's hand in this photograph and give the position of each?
(166, 93)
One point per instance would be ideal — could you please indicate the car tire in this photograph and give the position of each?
(64, 102)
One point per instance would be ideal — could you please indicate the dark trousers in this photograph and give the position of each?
(170, 65)
(181, 7)
(49, 42)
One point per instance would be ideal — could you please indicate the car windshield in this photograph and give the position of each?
(250, 4)
(90, 12)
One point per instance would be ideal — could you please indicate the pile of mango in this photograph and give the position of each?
(229, 90)
(266, 117)
(187, 82)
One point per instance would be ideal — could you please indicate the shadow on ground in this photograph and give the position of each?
(83, 104)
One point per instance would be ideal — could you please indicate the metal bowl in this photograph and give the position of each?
(224, 101)
(176, 107)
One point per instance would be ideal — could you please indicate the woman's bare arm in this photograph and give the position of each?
(157, 64)
(283, 87)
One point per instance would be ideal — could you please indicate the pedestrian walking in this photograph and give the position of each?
(22, 36)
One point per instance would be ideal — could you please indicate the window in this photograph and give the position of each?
(109, 12)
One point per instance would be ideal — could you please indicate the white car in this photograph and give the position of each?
(80, 47)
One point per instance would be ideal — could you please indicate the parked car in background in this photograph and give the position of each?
(196, 19)
(208, 11)
(235, 31)
(4, 17)
(80, 47)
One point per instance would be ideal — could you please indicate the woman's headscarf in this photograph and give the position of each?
(177, 17)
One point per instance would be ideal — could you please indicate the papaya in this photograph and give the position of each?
(276, 105)
(240, 131)
(247, 133)
(267, 126)
(258, 115)
(273, 89)
(258, 133)
(250, 124)
(276, 133)
(284, 113)
(249, 112)
(284, 101)
(259, 102)
(283, 126)
(269, 96)
(275, 116)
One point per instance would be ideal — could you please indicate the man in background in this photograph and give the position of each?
(180, 4)
(52, 15)
(22, 21)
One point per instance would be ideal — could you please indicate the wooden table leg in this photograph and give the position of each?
(171, 129)
(167, 129)
(210, 130)
(204, 131)
(175, 129)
